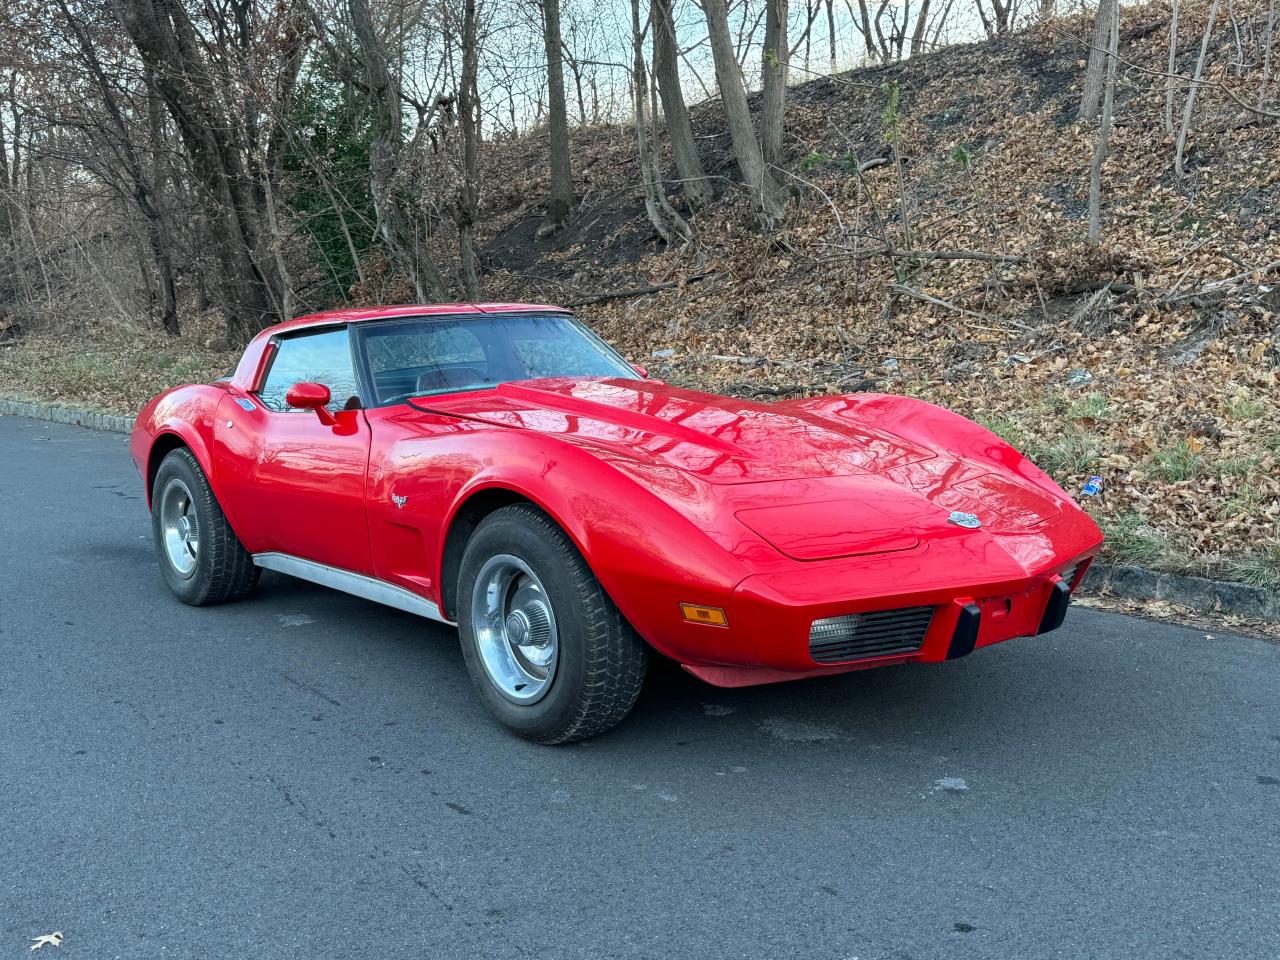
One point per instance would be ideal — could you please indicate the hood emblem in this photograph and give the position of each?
(399, 501)
(969, 521)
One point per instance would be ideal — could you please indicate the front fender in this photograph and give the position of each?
(932, 427)
(648, 556)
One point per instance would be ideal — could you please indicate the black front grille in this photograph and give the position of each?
(860, 636)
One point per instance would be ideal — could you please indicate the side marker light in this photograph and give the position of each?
(711, 616)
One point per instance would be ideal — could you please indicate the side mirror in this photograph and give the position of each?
(311, 396)
(641, 369)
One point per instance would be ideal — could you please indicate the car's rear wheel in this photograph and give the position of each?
(552, 657)
(200, 556)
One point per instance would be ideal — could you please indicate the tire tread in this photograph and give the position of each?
(229, 571)
(616, 658)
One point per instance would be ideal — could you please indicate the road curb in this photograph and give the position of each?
(1122, 580)
(92, 419)
(1217, 597)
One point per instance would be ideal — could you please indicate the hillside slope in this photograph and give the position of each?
(1133, 360)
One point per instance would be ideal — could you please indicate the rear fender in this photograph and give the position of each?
(181, 417)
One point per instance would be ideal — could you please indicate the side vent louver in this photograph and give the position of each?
(860, 636)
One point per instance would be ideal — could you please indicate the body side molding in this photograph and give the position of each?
(370, 588)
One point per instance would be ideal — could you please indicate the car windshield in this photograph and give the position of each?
(431, 355)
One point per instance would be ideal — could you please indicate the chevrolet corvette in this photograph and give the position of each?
(500, 468)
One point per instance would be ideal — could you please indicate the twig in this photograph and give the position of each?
(935, 255)
(1218, 285)
(938, 301)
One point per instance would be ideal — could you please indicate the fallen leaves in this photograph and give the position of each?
(47, 940)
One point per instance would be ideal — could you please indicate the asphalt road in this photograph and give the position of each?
(308, 775)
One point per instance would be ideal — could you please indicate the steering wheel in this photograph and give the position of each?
(475, 373)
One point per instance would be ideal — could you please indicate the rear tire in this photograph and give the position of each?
(581, 665)
(201, 558)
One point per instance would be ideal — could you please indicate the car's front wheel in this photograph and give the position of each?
(200, 556)
(550, 654)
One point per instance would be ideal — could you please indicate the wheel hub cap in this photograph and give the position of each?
(179, 528)
(515, 629)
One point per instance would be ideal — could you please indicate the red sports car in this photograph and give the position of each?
(500, 467)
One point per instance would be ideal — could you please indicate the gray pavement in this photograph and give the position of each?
(307, 775)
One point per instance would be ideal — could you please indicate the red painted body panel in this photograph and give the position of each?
(292, 484)
(777, 513)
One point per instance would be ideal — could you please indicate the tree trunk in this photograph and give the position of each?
(576, 69)
(766, 195)
(168, 44)
(922, 23)
(560, 202)
(1095, 72)
(1172, 69)
(1268, 41)
(1189, 109)
(1104, 131)
(13, 286)
(468, 108)
(666, 67)
(863, 24)
(394, 225)
(135, 173)
(666, 221)
(831, 34)
(773, 72)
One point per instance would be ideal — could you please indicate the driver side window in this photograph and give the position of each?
(323, 357)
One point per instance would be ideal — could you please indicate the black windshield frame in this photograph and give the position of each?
(362, 332)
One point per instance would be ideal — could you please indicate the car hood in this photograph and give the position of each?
(721, 440)
(815, 479)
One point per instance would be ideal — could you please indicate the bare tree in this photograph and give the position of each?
(1173, 67)
(1095, 72)
(13, 279)
(1104, 129)
(773, 94)
(831, 36)
(190, 75)
(560, 200)
(666, 68)
(386, 154)
(468, 122)
(1001, 18)
(1189, 108)
(894, 30)
(137, 181)
(666, 221)
(862, 22)
(1268, 41)
(766, 194)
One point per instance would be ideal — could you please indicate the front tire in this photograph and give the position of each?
(200, 556)
(551, 656)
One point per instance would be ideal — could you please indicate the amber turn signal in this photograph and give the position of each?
(712, 616)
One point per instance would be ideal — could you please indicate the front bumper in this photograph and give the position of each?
(773, 622)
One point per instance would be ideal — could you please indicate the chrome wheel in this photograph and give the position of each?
(515, 629)
(179, 528)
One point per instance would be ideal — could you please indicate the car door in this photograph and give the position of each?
(416, 463)
(294, 479)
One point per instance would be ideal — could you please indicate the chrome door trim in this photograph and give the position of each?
(370, 588)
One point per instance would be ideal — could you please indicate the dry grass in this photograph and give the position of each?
(114, 370)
